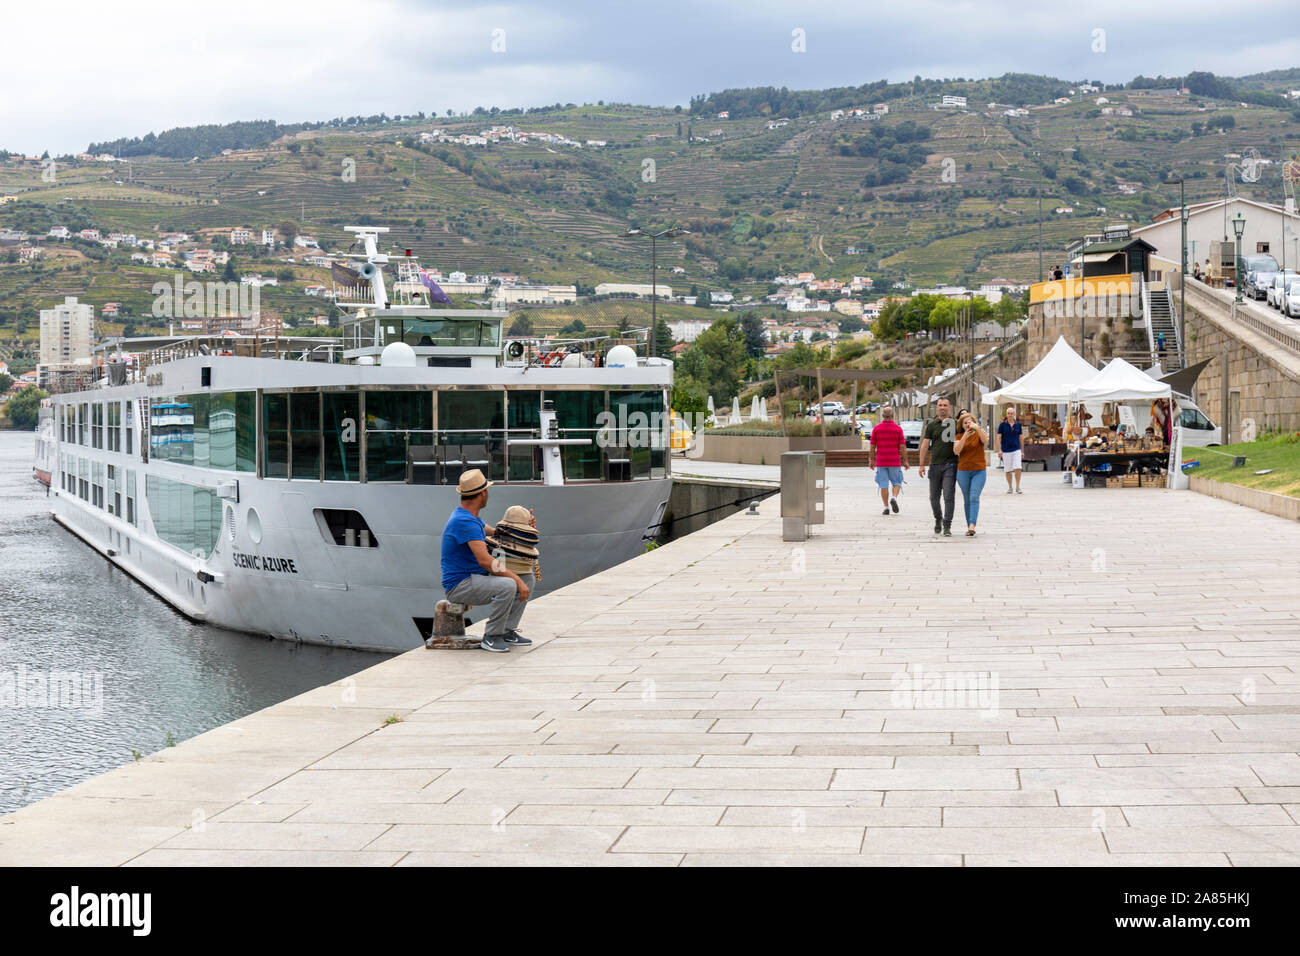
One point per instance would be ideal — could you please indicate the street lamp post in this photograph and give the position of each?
(670, 233)
(1182, 276)
(1238, 228)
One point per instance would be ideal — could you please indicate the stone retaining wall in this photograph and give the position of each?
(1283, 506)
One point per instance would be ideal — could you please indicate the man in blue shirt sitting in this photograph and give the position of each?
(470, 575)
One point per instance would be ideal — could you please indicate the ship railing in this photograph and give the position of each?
(427, 456)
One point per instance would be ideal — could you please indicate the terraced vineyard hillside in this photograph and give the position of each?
(961, 206)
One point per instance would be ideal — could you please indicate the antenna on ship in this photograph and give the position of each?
(370, 270)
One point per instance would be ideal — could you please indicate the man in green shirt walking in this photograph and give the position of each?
(937, 454)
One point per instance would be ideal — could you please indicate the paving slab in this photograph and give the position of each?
(1082, 683)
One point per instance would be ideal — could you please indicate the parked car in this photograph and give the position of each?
(912, 432)
(1255, 262)
(1257, 283)
(829, 409)
(1291, 299)
(1279, 285)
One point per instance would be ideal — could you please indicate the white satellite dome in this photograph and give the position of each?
(621, 356)
(397, 355)
(576, 360)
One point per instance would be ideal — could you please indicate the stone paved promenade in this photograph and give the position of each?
(733, 699)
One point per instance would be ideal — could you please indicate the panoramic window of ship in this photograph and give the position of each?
(313, 436)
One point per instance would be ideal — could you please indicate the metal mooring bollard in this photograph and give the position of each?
(449, 628)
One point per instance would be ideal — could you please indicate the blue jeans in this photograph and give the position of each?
(971, 484)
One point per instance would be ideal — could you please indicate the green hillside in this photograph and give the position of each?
(959, 204)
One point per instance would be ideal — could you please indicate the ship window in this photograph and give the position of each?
(344, 527)
(637, 422)
(129, 422)
(576, 415)
(523, 418)
(221, 430)
(114, 426)
(341, 427)
(245, 431)
(275, 428)
(491, 334)
(467, 333)
(426, 332)
(171, 429)
(304, 418)
(97, 425)
(185, 516)
(473, 421)
(130, 497)
(390, 415)
(201, 405)
(83, 422)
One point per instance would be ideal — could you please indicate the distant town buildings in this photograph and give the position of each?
(635, 289)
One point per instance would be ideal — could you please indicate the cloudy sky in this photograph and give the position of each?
(94, 71)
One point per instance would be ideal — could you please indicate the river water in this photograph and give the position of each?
(137, 676)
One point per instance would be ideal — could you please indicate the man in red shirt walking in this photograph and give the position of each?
(888, 458)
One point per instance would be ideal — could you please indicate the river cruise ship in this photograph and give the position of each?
(297, 487)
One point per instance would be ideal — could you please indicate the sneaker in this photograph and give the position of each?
(947, 531)
(885, 512)
(938, 526)
(495, 643)
(893, 503)
(1019, 492)
(516, 639)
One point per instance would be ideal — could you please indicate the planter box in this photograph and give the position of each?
(758, 450)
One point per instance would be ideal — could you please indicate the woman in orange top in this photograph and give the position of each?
(972, 467)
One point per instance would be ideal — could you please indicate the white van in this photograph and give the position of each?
(1198, 430)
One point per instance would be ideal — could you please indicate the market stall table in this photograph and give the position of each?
(1148, 463)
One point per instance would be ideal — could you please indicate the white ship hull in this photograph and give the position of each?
(293, 585)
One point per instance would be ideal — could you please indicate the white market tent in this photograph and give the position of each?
(1120, 382)
(1051, 381)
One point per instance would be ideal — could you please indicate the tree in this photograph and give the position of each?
(733, 268)
(755, 343)
(663, 338)
(6, 382)
(576, 327)
(722, 348)
(703, 300)
(288, 228)
(230, 275)
(25, 408)
(522, 326)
